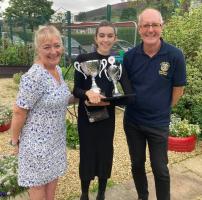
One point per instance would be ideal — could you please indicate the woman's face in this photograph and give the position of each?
(105, 39)
(50, 51)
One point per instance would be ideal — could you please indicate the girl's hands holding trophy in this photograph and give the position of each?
(95, 99)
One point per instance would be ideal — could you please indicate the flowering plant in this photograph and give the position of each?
(182, 128)
(8, 177)
(5, 115)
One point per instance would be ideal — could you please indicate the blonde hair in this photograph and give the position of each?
(45, 33)
(150, 9)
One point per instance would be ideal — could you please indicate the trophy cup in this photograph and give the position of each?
(113, 73)
(91, 68)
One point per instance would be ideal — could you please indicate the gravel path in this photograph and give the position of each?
(69, 185)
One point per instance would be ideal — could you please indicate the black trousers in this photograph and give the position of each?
(156, 137)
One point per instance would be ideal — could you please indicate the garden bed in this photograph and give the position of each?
(8, 71)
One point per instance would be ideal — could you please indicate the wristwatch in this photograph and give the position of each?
(14, 144)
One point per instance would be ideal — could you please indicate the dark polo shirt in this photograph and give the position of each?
(152, 81)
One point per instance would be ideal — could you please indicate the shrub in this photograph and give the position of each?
(17, 77)
(72, 135)
(5, 115)
(68, 73)
(15, 54)
(185, 32)
(8, 177)
(182, 128)
(190, 105)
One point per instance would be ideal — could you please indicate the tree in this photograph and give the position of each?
(30, 12)
(81, 17)
(166, 7)
(128, 14)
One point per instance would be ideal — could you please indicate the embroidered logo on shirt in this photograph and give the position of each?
(164, 68)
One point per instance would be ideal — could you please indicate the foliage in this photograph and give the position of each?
(72, 135)
(5, 115)
(81, 17)
(182, 128)
(16, 54)
(127, 34)
(31, 12)
(94, 185)
(185, 32)
(8, 177)
(166, 7)
(58, 17)
(184, 6)
(190, 105)
(68, 73)
(128, 14)
(17, 77)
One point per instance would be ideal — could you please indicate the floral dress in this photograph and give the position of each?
(42, 151)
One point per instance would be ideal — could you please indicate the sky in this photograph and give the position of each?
(75, 6)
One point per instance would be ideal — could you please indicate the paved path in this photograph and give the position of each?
(186, 183)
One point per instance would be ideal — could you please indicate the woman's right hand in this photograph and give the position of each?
(94, 97)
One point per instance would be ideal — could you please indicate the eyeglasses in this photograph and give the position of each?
(154, 26)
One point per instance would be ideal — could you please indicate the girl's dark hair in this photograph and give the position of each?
(104, 23)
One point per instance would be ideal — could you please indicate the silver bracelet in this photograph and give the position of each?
(14, 144)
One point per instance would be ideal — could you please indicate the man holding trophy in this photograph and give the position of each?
(96, 76)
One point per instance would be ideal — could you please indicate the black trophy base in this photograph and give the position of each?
(115, 98)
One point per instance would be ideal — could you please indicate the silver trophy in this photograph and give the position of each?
(113, 73)
(91, 68)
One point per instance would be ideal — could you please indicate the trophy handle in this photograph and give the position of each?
(106, 74)
(77, 66)
(103, 66)
(121, 69)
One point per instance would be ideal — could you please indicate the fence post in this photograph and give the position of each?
(1, 24)
(24, 30)
(69, 35)
(109, 12)
(10, 28)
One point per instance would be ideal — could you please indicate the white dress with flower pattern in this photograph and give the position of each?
(42, 152)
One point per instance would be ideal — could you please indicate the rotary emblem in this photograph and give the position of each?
(164, 68)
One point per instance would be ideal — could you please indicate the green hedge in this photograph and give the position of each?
(13, 54)
(84, 39)
(185, 32)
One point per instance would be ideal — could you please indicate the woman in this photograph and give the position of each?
(38, 124)
(96, 139)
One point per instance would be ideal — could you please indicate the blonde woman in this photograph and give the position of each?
(38, 124)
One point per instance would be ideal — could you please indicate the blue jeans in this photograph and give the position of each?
(157, 138)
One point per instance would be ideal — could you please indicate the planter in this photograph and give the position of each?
(181, 144)
(5, 127)
(7, 71)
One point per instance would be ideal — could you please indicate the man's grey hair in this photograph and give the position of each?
(140, 15)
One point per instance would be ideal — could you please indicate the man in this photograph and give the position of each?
(157, 73)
